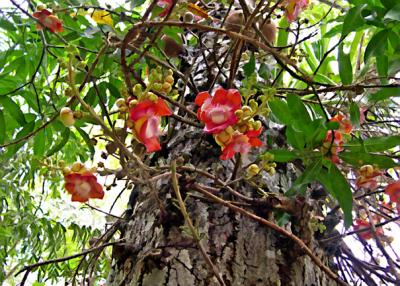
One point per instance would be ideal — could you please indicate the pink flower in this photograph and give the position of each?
(334, 147)
(241, 143)
(344, 123)
(393, 191)
(146, 116)
(218, 112)
(365, 235)
(83, 186)
(166, 4)
(47, 19)
(293, 8)
(367, 177)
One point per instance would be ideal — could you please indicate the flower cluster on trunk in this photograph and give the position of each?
(223, 117)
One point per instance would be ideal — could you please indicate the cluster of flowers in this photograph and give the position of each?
(333, 142)
(146, 109)
(81, 183)
(367, 179)
(232, 125)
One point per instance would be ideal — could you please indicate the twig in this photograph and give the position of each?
(196, 237)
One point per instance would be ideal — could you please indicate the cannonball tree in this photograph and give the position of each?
(199, 142)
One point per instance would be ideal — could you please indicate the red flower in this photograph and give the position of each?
(218, 112)
(166, 4)
(293, 8)
(367, 234)
(367, 177)
(83, 186)
(335, 147)
(47, 19)
(344, 123)
(393, 191)
(147, 117)
(241, 143)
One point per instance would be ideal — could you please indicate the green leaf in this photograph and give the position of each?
(28, 128)
(283, 34)
(393, 14)
(299, 112)
(280, 110)
(13, 109)
(359, 159)
(39, 143)
(384, 93)
(336, 184)
(2, 127)
(309, 175)
(375, 144)
(377, 45)
(283, 156)
(86, 138)
(382, 66)
(250, 67)
(295, 138)
(353, 20)
(61, 142)
(354, 114)
(345, 68)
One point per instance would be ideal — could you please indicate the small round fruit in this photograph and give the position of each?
(234, 21)
(67, 116)
(269, 32)
(171, 48)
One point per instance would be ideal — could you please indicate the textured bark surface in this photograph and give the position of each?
(245, 252)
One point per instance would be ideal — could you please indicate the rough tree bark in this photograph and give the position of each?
(158, 252)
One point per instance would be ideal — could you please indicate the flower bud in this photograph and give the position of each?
(68, 92)
(188, 17)
(78, 114)
(66, 170)
(239, 113)
(77, 167)
(137, 89)
(152, 96)
(120, 102)
(252, 170)
(257, 125)
(169, 79)
(132, 103)
(367, 170)
(247, 110)
(67, 116)
(167, 87)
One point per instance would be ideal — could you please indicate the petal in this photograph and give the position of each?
(142, 109)
(234, 98)
(97, 191)
(254, 133)
(255, 142)
(201, 97)
(70, 187)
(227, 153)
(152, 145)
(220, 96)
(78, 198)
(161, 108)
(36, 14)
(45, 12)
(214, 128)
(150, 128)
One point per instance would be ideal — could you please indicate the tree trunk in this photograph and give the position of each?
(159, 251)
